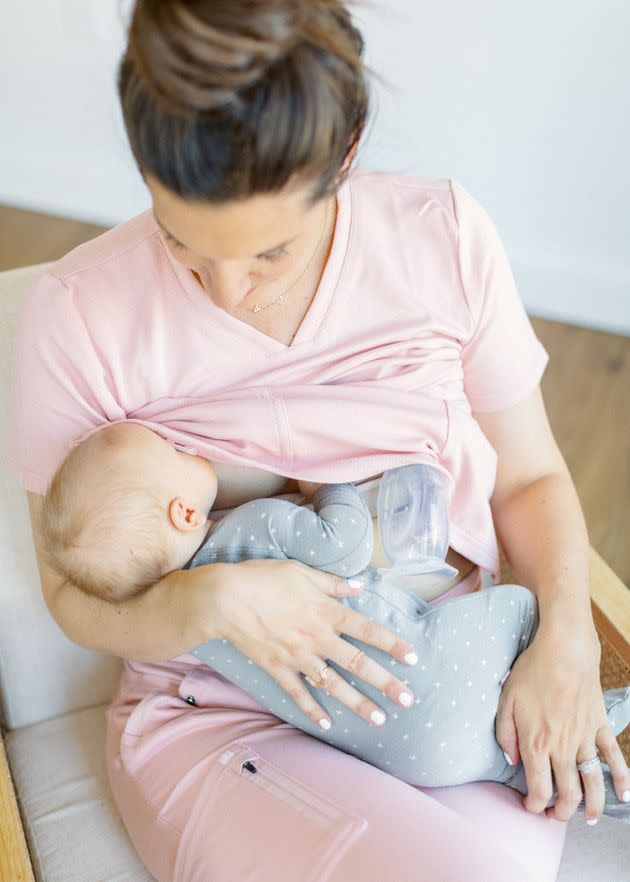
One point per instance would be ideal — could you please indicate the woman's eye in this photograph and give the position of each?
(275, 255)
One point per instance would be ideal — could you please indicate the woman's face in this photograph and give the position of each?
(263, 242)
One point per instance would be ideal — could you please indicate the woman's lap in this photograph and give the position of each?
(310, 812)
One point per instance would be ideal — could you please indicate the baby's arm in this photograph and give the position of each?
(337, 536)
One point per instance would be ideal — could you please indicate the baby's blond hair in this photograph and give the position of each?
(112, 546)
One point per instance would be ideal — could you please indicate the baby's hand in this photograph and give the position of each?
(307, 488)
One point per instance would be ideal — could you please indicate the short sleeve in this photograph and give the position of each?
(503, 360)
(59, 391)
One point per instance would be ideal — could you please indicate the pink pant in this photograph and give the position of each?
(311, 813)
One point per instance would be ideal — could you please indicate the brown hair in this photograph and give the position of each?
(224, 99)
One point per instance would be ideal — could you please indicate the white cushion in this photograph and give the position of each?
(75, 833)
(42, 674)
(596, 854)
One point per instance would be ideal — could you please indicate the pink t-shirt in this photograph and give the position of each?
(416, 325)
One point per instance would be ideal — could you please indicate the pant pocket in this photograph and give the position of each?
(253, 822)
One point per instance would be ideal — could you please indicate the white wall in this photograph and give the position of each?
(525, 103)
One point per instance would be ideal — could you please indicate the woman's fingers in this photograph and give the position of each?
(366, 668)
(538, 775)
(569, 786)
(294, 686)
(349, 621)
(593, 784)
(344, 692)
(571, 782)
(353, 623)
(335, 686)
(292, 629)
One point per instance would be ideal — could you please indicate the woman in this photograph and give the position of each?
(280, 316)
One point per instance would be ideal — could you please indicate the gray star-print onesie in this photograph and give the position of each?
(466, 647)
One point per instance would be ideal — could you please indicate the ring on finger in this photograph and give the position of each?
(355, 660)
(323, 678)
(588, 766)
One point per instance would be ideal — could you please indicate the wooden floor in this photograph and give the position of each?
(586, 389)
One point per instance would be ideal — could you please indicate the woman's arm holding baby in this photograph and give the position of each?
(188, 607)
(551, 713)
(164, 621)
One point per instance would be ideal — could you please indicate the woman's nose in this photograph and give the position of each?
(228, 282)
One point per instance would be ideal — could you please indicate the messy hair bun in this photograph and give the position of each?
(223, 99)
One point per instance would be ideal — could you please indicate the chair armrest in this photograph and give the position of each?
(15, 863)
(610, 604)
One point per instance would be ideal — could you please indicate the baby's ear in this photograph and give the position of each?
(185, 517)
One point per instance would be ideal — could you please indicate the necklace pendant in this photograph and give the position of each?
(281, 299)
(257, 308)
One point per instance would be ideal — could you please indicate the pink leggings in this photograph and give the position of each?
(310, 813)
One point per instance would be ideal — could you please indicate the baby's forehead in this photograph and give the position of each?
(131, 433)
(125, 447)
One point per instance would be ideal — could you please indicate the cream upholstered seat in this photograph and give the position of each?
(53, 696)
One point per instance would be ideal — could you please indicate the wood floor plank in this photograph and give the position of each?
(586, 389)
(587, 394)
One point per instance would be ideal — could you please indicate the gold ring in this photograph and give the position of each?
(355, 660)
(323, 680)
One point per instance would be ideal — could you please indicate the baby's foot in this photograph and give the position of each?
(617, 703)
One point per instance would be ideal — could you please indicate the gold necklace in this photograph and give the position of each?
(281, 298)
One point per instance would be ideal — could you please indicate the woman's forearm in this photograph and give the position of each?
(542, 529)
(166, 620)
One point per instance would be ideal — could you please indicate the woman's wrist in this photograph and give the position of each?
(563, 620)
(202, 607)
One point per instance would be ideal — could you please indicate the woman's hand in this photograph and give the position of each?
(282, 614)
(552, 714)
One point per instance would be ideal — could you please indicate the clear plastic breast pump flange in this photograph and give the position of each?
(413, 522)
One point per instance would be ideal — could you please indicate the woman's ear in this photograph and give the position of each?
(185, 517)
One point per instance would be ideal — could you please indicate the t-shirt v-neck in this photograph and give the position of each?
(318, 310)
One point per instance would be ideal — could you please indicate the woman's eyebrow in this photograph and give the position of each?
(268, 251)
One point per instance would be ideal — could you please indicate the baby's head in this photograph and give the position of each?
(124, 509)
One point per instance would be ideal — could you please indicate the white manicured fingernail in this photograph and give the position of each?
(411, 658)
(325, 724)
(355, 583)
(625, 796)
(508, 758)
(592, 822)
(405, 698)
(377, 717)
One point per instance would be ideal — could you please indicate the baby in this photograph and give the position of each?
(126, 507)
